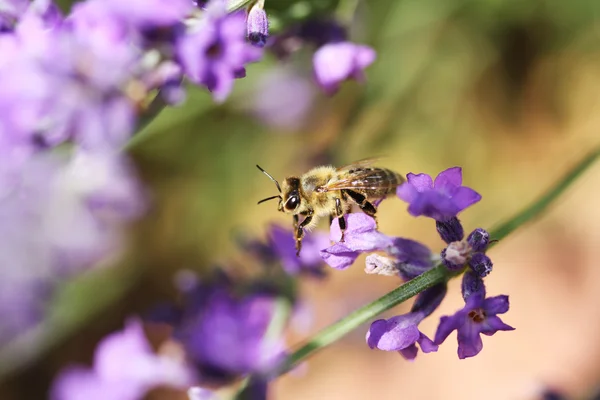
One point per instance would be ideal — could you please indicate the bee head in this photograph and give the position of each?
(290, 201)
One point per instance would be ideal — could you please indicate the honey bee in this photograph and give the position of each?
(329, 191)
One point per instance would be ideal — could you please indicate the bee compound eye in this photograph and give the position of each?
(292, 203)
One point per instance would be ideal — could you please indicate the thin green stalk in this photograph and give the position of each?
(546, 200)
(430, 278)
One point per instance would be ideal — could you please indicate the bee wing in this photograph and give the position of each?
(364, 163)
(362, 179)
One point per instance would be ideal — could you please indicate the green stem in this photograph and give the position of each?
(546, 200)
(336, 331)
(430, 278)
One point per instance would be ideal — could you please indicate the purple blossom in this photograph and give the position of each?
(125, 368)
(479, 316)
(282, 242)
(361, 236)
(440, 200)
(272, 100)
(333, 63)
(215, 51)
(52, 226)
(401, 333)
(12, 11)
(96, 106)
(224, 334)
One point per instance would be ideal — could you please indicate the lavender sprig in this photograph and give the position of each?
(428, 279)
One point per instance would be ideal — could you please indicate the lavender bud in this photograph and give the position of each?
(481, 264)
(450, 230)
(479, 239)
(472, 284)
(258, 25)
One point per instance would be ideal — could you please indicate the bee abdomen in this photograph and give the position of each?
(384, 181)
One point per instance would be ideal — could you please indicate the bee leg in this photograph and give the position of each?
(295, 225)
(300, 231)
(363, 203)
(340, 216)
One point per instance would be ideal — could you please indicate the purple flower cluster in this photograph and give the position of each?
(81, 81)
(125, 367)
(219, 335)
(440, 200)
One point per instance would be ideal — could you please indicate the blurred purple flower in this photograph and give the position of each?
(12, 11)
(440, 200)
(145, 14)
(479, 316)
(333, 63)
(52, 226)
(125, 368)
(215, 51)
(282, 242)
(401, 333)
(224, 334)
(361, 236)
(94, 77)
(282, 98)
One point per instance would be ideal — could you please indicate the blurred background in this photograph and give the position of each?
(509, 90)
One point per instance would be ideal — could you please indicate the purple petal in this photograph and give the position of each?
(469, 340)
(433, 205)
(449, 180)
(397, 333)
(365, 56)
(375, 332)
(496, 305)
(339, 256)
(447, 325)
(494, 324)
(78, 383)
(369, 241)
(427, 344)
(464, 197)
(421, 182)
(409, 353)
(407, 192)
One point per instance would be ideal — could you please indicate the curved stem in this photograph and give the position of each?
(430, 278)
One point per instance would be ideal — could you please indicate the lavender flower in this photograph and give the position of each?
(225, 335)
(58, 217)
(273, 103)
(401, 333)
(478, 316)
(281, 241)
(360, 236)
(335, 62)
(440, 200)
(125, 368)
(96, 106)
(215, 51)
(258, 25)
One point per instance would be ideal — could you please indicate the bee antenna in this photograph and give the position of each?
(269, 198)
(271, 178)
